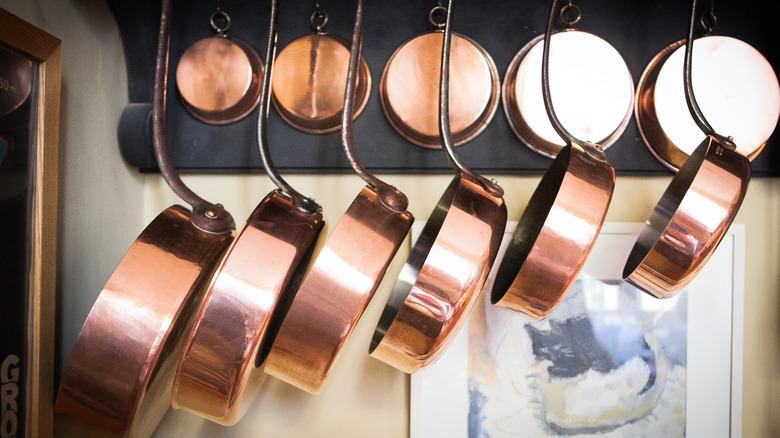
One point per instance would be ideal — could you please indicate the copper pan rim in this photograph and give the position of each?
(537, 134)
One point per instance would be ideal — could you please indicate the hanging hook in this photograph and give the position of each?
(318, 19)
(570, 14)
(220, 21)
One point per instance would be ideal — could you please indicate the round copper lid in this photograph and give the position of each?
(310, 79)
(735, 85)
(592, 87)
(409, 89)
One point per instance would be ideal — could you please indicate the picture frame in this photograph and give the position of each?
(442, 399)
(30, 377)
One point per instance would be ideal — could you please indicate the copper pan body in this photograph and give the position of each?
(605, 83)
(442, 278)
(739, 93)
(555, 233)
(218, 376)
(336, 291)
(690, 220)
(118, 378)
(219, 80)
(309, 81)
(409, 89)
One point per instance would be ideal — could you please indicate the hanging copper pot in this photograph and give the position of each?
(219, 77)
(118, 378)
(449, 262)
(696, 209)
(562, 220)
(409, 94)
(739, 92)
(221, 371)
(348, 269)
(311, 73)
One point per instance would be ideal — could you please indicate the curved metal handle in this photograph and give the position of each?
(444, 113)
(300, 202)
(212, 218)
(390, 196)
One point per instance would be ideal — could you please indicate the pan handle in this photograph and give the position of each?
(389, 195)
(444, 114)
(212, 218)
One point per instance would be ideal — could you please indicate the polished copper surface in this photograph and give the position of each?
(442, 278)
(737, 89)
(592, 87)
(16, 76)
(219, 80)
(690, 220)
(309, 81)
(409, 89)
(118, 378)
(217, 377)
(336, 291)
(556, 232)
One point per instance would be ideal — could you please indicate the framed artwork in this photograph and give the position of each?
(609, 361)
(29, 134)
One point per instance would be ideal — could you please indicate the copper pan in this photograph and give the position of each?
(118, 378)
(449, 262)
(311, 73)
(739, 90)
(409, 95)
(347, 270)
(562, 220)
(221, 371)
(696, 209)
(219, 77)
(602, 80)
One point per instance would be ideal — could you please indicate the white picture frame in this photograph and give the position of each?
(439, 393)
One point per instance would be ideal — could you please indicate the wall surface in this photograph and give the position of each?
(104, 205)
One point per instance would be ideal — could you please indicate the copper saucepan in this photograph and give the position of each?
(696, 209)
(220, 371)
(348, 269)
(409, 97)
(118, 378)
(219, 77)
(449, 262)
(603, 81)
(311, 73)
(739, 92)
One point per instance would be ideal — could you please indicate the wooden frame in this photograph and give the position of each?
(43, 50)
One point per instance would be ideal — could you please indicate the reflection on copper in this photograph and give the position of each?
(118, 378)
(309, 81)
(591, 85)
(336, 291)
(219, 80)
(690, 220)
(735, 86)
(409, 89)
(556, 232)
(16, 76)
(217, 377)
(442, 277)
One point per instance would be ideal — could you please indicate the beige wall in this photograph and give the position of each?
(104, 205)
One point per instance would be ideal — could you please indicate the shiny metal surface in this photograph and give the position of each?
(690, 220)
(218, 376)
(336, 291)
(737, 89)
(593, 92)
(309, 81)
(409, 89)
(16, 76)
(219, 80)
(118, 378)
(555, 233)
(442, 278)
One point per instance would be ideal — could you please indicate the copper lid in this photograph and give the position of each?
(735, 85)
(409, 89)
(309, 81)
(592, 87)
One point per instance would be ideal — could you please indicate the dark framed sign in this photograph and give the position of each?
(29, 134)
